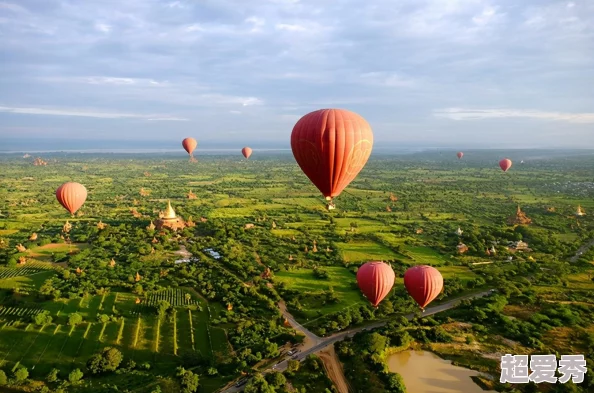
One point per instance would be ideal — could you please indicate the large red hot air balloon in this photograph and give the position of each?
(189, 145)
(460, 154)
(375, 279)
(247, 152)
(423, 283)
(71, 196)
(505, 164)
(331, 146)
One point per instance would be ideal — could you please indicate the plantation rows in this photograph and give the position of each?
(175, 296)
(19, 311)
(19, 271)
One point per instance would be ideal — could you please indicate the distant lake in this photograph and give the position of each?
(425, 372)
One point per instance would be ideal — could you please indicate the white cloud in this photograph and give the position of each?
(103, 27)
(82, 113)
(481, 114)
(290, 27)
(13, 7)
(387, 79)
(235, 112)
(168, 119)
(257, 23)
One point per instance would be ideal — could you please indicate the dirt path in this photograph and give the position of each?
(334, 369)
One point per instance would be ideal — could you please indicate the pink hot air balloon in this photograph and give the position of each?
(189, 145)
(460, 154)
(375, 279)
(72, 196)
(247, 152)
(505, 164)
(423, 283)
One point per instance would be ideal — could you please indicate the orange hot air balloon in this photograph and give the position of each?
(423, 283)
(505, 164)
(460, 154)
(331, 146)
(189, 145)
(247, 152)
(375, 280)
(72, 196)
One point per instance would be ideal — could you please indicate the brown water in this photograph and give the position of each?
(425, 372)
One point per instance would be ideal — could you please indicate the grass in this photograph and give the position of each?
(363, 251)
(424, 255)
(342, 281)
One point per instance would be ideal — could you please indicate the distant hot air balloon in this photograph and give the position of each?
(247, 152)
(331, 146)
(423, 283)
(505, 164)
(460, 154)
(71, 196)
(189, 145)
(375, 279)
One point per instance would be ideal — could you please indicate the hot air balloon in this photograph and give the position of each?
(460, 154)
(331, 146)
(247, 152)
(375, 279)
(423, 283)
(505, 164)
(71, 196)
(189, 145)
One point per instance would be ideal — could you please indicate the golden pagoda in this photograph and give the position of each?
(191, 195)
(112, 263)
(393, 198)
(154, 241)
(67, 227)
(203, 219)
(168, 219)
(580, 212)
(520, 218)
(151, 227)
(144, 193)
(21, 248)
(273, 225)
(78, 270)
(101, 225)
(315, 248)
(305, 249)
(22, 260)
(229, 307)
(388, 208)
(290, 257)
(266, 273)
(286, 323)
(33, 236)
(137, 277)
(190, 223)
(137, 301)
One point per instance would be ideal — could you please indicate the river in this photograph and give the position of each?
(425, 372)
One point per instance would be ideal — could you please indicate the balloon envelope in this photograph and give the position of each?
(189, 145)
(505, 164)
(71, 196)
(246, 151)
(375, 280)
(423, 283)
(331, 146)
(460, 154)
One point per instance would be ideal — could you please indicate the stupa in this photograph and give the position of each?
(168, 219)
(459, 232)
(580, 212)
(519, 219)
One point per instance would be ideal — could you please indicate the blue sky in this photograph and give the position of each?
(471, 73)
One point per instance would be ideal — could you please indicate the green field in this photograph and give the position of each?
(364, 251)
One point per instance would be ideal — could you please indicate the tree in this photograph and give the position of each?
(107, 360)
(3, 379)
(21, 375)
(276, 379)
(74, 319)
(53, 375)
(163, 306)
(75, 376)
(293, 365)
(189, 380)
(258, 384)
(43, 318)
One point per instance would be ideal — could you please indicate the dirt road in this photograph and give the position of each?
(334, 369)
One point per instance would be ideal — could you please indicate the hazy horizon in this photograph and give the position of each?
(438, 73)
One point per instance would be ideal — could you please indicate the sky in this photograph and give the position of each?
(467, 73)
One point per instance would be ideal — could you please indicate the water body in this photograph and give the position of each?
(425, 372)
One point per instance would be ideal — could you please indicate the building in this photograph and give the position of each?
(459, 232)
(168, 219)
(461, 248)
(520, 218)
(518, 246)
(580, 212)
